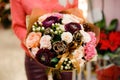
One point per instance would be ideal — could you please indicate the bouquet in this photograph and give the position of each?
(61, 41)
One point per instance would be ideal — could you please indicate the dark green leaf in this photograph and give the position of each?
(54, 61)
(101, 23)
(113, 25)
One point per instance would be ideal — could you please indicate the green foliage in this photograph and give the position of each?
(113, 55)
(54, 61)
(102, 24)
(113, 25)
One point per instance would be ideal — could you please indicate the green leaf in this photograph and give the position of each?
(54, 61)
(101, 23)
(113, 25)
(56, 37)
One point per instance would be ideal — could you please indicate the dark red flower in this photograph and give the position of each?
(72, 27)
(49, 21)
(44, 56)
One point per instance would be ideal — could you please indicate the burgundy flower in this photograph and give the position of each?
(77, 36)
(72, 27)
(49, 21)
(44, 56)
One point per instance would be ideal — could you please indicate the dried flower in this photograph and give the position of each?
(59, 47)
(77, 36)
(49, 31)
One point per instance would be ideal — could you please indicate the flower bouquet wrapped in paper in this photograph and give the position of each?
(61, 40)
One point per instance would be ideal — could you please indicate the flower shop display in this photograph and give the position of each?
(109, 43)
(109, 50)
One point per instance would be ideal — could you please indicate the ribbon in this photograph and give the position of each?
(75, 63)
(63, 57)
(72, 59)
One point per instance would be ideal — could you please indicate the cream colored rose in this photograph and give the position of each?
(67, 37)
(86, 36)
(78, 53)
(67, 18)
(45, 42)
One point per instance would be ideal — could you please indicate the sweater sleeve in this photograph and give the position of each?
(18, 19)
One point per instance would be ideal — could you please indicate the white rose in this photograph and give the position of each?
(78, 53)
(67, 37)
(86, 36)
(67, 18)
(82, 28)
(45, 42)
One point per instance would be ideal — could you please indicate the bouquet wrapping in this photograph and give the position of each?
(61, 40)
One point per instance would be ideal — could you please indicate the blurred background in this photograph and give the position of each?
(103, 13)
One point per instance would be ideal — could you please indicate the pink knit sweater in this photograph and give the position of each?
(21, 8)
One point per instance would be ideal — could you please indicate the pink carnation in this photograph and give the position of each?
(93, 38)
(90, 51)
(33, 39)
